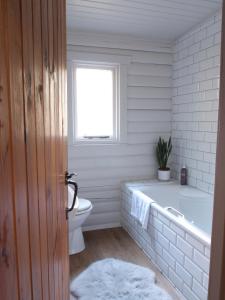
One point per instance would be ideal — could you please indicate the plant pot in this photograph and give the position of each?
(164, 175)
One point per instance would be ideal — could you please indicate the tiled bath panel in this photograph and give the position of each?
(181, 257)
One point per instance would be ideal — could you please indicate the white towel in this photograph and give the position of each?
(140, 207)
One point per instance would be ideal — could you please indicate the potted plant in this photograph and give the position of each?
(163, 150)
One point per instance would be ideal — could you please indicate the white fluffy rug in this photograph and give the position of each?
(112, 279)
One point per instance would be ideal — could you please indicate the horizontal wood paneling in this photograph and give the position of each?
(112, 205)
(150, 69)
(114, 43)
(102, 168)
(143, 127)
(119, 172)
(149, 92)
(149, 81)
(112, 162)
(107, 218)
(108, 151)
(153, 104)
(148, 115)
(100, 195)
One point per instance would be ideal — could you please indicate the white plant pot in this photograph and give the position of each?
(164, 175)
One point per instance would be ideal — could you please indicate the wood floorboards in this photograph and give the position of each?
(115, 243)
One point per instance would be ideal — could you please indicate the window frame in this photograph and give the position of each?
(121, 62)
(115, 75)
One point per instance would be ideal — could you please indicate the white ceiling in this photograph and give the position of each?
(148, 19)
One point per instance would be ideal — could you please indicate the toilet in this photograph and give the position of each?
(77, 217)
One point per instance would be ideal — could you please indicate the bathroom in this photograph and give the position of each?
(112, 166)
(167, 85)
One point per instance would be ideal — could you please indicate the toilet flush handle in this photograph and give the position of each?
(75, 186)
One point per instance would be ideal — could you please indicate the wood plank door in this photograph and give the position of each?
(217, 261)
(33, 150)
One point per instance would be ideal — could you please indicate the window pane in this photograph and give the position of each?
(94, 88)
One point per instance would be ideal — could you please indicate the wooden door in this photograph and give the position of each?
(217, 264)
(33, 152)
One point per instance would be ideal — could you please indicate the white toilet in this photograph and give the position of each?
(77, 217)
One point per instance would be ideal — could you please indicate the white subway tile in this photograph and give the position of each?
(169, 234)
(184, 274)
(164, 242)
(176, 253)
(207, 252)
(199, 290)
(163, 266)
(177, 229)
(205, 281)
(163, 219)
(189, 294)
(202, 96)
(207, 43)
(194, 270)
(201, 261)
(195, 243)
(184, 247)
(169, 259)
(158, 248)
(176, 280)
(157, 224)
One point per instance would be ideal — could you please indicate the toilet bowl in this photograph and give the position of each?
(77, 217)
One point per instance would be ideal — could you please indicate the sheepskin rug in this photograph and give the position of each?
(112, 279)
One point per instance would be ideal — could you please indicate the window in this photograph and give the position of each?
(96, 102)
(97, 98)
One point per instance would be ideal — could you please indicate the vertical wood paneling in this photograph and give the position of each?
(40, 136)
(31, 157)
(53, 101)
(63, 250)
(47, 128)
(56, 140)
(64, 122)
(15, 79)
(33, 232)
(8, 262)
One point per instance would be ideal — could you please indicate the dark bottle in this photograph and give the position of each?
(183, 176)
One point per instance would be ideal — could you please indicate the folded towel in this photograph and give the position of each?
(140, 207)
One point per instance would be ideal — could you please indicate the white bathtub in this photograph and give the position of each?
(185, 202)
(178, 236)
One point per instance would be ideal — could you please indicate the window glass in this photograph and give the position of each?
(95, 94)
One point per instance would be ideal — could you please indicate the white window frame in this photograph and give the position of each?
(115, 71)
(113, 62)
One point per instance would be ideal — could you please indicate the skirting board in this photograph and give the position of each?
(101, 226)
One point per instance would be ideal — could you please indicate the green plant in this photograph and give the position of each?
(163, 150)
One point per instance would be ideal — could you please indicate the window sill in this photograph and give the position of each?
(97, 143)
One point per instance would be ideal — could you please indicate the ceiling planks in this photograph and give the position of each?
(148, 19)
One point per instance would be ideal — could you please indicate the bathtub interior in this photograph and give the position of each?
(196, 206)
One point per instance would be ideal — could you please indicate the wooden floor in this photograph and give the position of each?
(115, 243)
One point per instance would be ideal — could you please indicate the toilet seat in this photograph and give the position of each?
(84, 205)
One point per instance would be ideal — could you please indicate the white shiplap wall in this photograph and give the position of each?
(196, 72)
(102, 168)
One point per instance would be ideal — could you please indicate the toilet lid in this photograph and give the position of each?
(84, 205)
